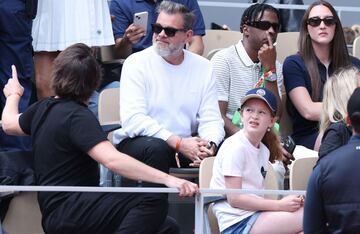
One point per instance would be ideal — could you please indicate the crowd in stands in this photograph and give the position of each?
(178, 108)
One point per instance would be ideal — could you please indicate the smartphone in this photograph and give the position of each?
(288, 143)
(216, 26)
(141, 19)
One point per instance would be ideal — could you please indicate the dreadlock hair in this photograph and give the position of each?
(255, 12)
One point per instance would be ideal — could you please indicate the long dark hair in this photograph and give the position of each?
(338, 53)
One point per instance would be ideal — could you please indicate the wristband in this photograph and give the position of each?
(17, 93)
(270, 76)
(211, 144)
(177, 147)
(271, 70)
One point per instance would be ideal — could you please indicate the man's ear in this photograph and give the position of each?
(245, 30)
(189, 34)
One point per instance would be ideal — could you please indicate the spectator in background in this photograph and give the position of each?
(15, 48)
(332, 197)
(349, 35)
(243, 66)
(240, 67)
(322, 50)
(242, 163)
(356, 29)
(60, 24)
(290, 19)
(130, 38)
(169, 111)
(334, 131)
(68, 142)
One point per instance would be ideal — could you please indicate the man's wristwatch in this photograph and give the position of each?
(210, 144)
(270, 76)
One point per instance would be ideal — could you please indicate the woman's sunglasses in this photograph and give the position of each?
(169, 31)
(264, 25)
(316, 21)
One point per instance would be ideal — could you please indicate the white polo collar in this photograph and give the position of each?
(243, 54)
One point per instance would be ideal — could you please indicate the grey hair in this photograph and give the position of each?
(172, 8)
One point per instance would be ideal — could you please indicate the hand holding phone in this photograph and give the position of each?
(288, 144)
(141, 19)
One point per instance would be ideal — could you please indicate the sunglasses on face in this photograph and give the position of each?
(264, 25)
(316, 21)
(169, 31)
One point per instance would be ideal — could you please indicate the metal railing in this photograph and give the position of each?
(199, 198)
(339, 9)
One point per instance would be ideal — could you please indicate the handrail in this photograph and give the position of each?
(199, 198)
(339, 9)
(278, 6)
(26, 188)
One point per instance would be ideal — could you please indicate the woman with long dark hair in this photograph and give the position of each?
(322, 50)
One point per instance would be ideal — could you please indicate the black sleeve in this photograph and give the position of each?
(314, 215)
(26, 118)
(334, 137)
(85, 130)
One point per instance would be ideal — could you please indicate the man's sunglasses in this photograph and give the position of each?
(264, 25)
(169, 31)
(316, 21)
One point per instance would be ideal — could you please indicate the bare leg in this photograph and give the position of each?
(279, 222)
(43, 67)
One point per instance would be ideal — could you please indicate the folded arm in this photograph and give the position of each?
(308, 109)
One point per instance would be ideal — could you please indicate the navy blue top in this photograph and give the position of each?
(332, 197)
(124, 14)
(295, 75)
(335, 136)
(15, 40)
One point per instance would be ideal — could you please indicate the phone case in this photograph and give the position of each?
(141, 19)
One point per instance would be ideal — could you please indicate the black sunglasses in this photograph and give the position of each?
(169, 31)
(316, 21)
(264, 25)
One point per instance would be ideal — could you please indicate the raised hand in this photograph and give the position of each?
(134, 33)
(267, 54)
(13, 87)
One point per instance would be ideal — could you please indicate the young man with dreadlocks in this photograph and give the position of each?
(248, 64)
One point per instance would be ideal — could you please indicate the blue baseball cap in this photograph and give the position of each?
(263, 94)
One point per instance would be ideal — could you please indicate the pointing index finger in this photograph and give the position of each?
(269, 39)
(14, 72)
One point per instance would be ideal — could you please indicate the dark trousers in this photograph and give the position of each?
(15, 48)
(152, 151)
(110, 213)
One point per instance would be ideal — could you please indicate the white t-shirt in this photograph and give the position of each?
(238, 157)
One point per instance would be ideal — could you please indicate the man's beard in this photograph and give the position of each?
(166, 50)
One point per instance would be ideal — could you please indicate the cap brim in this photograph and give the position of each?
(251, 96)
